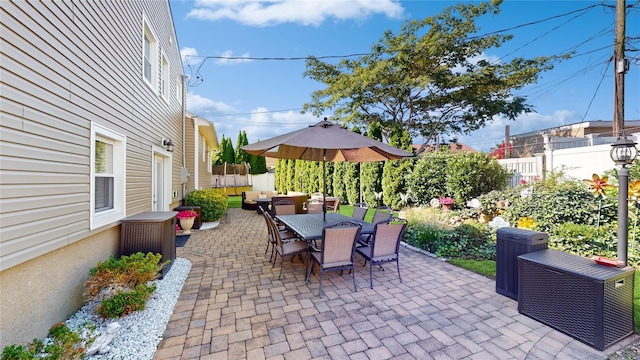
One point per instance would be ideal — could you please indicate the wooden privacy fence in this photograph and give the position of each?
(230, 175)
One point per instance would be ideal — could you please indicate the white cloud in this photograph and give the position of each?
(229, 54)
(189, 56)
(303, 12)
(262, 124)
(205, 107)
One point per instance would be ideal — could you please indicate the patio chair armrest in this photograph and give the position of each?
(313, 247)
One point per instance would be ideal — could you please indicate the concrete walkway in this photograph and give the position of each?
(233, 306)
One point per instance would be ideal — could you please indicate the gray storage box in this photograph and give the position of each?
(511, 243)
(590, 302)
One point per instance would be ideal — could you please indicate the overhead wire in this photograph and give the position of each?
(541, 91)
(199, 78)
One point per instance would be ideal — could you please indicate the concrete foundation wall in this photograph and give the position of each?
(39, 293)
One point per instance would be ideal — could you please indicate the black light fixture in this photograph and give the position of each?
(623, 153)
(168, 144)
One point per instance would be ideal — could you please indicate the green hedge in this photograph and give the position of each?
(213, 203)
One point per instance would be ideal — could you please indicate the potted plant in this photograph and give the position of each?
(447, 203)
(186, 218)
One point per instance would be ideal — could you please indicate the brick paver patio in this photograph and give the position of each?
(233, 307)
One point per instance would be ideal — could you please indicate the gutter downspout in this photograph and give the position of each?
(184, 136)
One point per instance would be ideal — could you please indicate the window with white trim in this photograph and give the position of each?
(164, 81)
(107, 176)
(203, 148)
(149, 56)
(179, 89)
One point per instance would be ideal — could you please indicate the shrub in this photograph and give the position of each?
(213, 203)
(424, 236)
(583, 239)
(121, 284)
(124, 302)
(462, 176)
(558, 203)
(472, 174)
(66, 344)
(428, 179)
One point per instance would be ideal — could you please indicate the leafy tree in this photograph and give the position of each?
(351, 182)
(258, 164)
(226, 154)
(351, 178)
(430, 77)
(472, 174)
(242, 156)
(338, 180)
(280, 174)
(290, 176)
(394, 173)
(428, 180)
(371, 172)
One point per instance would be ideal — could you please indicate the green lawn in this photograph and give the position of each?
(482, 267)
(488, 268)
(235, 201)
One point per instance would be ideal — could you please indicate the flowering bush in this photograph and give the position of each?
(446, 201)
(187, 214)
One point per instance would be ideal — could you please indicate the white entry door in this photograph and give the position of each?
(161, 182)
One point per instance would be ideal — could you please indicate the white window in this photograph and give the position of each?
(107, 176)
(203, 148)
(149, 56)
(164, 81)
(179, 89)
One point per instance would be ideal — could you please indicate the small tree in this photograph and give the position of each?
(371, 172)
(394, 173)
(338, 180)
(242, 156)
(226, 154)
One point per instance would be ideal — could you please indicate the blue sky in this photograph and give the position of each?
(264, 97)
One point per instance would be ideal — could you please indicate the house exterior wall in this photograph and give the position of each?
(204, 168)
(579, 162)
(201, 141)
(66, 66)
(189, 146)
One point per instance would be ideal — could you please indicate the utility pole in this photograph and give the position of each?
(507, 152)
(620, 67)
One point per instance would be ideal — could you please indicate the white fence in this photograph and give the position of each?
(577, 158)
(263, 182)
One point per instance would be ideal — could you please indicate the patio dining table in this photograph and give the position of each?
(309, 227)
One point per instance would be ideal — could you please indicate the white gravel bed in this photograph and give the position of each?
(140, 332)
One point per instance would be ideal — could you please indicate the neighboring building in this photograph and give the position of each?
(200, 146)
(91, 92)
(531, 143)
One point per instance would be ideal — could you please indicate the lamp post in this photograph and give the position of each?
(623, 152)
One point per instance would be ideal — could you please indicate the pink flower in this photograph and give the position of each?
(446, 201)
(187, 214)
(523, 181)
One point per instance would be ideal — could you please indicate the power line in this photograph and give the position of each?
(199, 78)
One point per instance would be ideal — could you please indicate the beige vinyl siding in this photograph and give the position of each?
(190, 147)
(64, 65)
(204, 173)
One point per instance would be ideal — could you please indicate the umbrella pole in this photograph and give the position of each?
(324, 183)
(360, 175)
